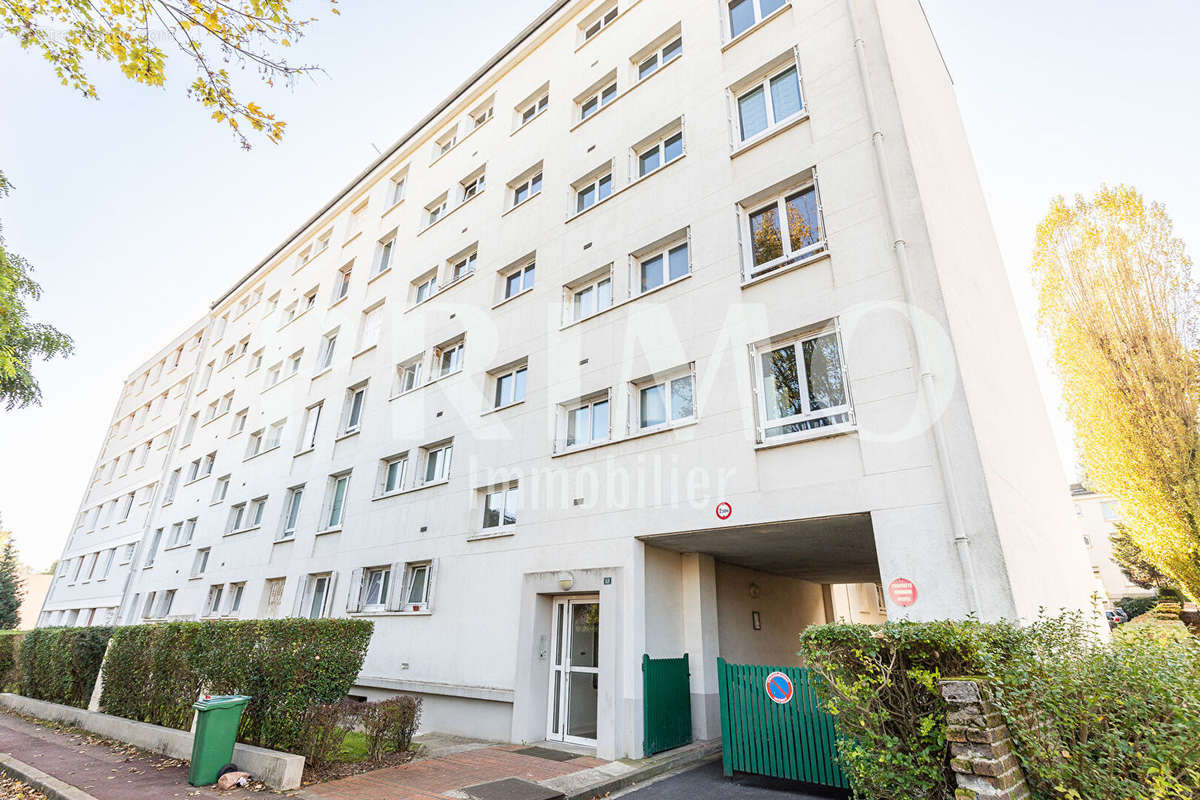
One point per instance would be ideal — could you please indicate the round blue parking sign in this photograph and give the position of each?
(780, 688)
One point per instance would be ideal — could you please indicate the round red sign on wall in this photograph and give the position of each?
(724, 510)
(903, 592)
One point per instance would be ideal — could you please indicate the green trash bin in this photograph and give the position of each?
(217, 721)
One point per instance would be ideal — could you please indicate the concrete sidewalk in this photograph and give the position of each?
(99, 771)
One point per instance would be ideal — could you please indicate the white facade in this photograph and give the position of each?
(1097, 515)
(517, 366)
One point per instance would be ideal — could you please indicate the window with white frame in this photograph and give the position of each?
(293, 362)
(589, 295)
(239, 421)
(189, 530)
(533, 106)
(335, 504)
(148, 607)
(649, 63)
(437, 461)
(272, 305)
(303, 257)
(221, 488)
(408, 375)
(663, 400)
(597, 96)
(593, 189)
(425, 286)
(500, 506)
(212, 603)
(417, 585)
(396, 188)
(526, 185)
(801, 383)
(126, 507)
(106, 562)
(384, 256)
(448, 358)
(226, 404)
(462, 265)
(317, 596)
(219, 328)
(371, 591)
(274, 373)
(510, 384)
(370, 327)
(290, 312)
(662, 264)
(356, 397)
(769, 98)
(435, 210)
(661, 149)
(254, 512)
(275, 434)
(210, 461)
(783, 228)
(598, 20)
(166, 601)
(200, 562)
(237, 518)
(471, 185)
(745, 14)
(234, 604)
(309, 300)
(254, 443)
(518, 279)
(189, 432)
(445, 143)
(226, 360)
(312, 419)
(256, 359)
(328, 345)
(482, 114)
(392, 472)
(176, 537)
(341, 282)
(291, 511)
(193, 470)
(172, 486)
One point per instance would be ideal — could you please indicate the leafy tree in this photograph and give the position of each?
(22, 341)
(214, 34)
(1133, 563)
(1118, 303)
(12, 586)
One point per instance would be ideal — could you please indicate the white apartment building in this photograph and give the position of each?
(677, 328)
(1097, 515)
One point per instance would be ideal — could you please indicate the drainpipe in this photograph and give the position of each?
(962, 541)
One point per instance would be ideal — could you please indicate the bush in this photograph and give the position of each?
(154, 673)
(323, 729)
(391, 723)
(1090, 719)
(1136, 606)
(10, 666)
(61, 664)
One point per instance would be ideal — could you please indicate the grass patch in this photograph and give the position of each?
(354, 749)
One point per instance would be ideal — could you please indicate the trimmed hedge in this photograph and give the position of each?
(10, 667)
(153, 673)
(61, 664)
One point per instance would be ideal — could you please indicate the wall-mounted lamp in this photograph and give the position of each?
(565, 581)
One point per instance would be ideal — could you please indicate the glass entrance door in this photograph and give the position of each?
(575, 671)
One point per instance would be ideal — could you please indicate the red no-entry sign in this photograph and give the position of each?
(903, 592)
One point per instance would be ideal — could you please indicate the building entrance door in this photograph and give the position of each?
(574, 671)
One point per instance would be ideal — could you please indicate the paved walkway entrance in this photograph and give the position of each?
(441, 777)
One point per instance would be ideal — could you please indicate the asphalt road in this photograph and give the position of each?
(708, 783)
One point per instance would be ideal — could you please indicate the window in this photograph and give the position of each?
(237, 518)
(472, 185)
(352, 416)
(189, 432)
(221, 489)
(172, 486)
(500, 507)
(272, 304)
(273, 375)
(527, 187)
(662, 401)
(531, 108)
(312, 418)
(519, 280)
(463, 267)
(256, 360)
(649, 65)
(369, 327)
(322, 242)
(435, 210)
(189, 530)
(234, 604)
(393, 473)
(212, 603)
(328, 344)
(165, 603)
(210, 461)
(769, 102)
(596, 23)
(148, 608)
(598, 99)
(226, 404)
(143, 454)
(254, 444)
(290, 312)
(590, 296)
(255, 511)
(126, 507)
(200, 562)
(745, 14)
(425, 285)
(592, 191)
(448, 358)
(437, 462)
(219, 328)
(396, 190)
(801, 384)
(416, 586)
(239, 421)
(659, 153)
(663, 266)
(291, 511)
(309, 300)
(446, 143)
(275, 434)
(408, 375)
(227, 359)
(193, 470)
(338, 484)
(303, 257)
(316, 596)
(482, 114)
(383, 261)
(106, 559)
(293, 365)
(341, 282)
(374, 588)
(771, 247)
(152, 549)
(510, 386)
(211, 412)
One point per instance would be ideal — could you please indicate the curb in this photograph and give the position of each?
(48, 785)
(690, 759)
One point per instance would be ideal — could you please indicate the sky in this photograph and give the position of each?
(137, 211)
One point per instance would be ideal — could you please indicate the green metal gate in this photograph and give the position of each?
(795, 740)
(667, 703)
